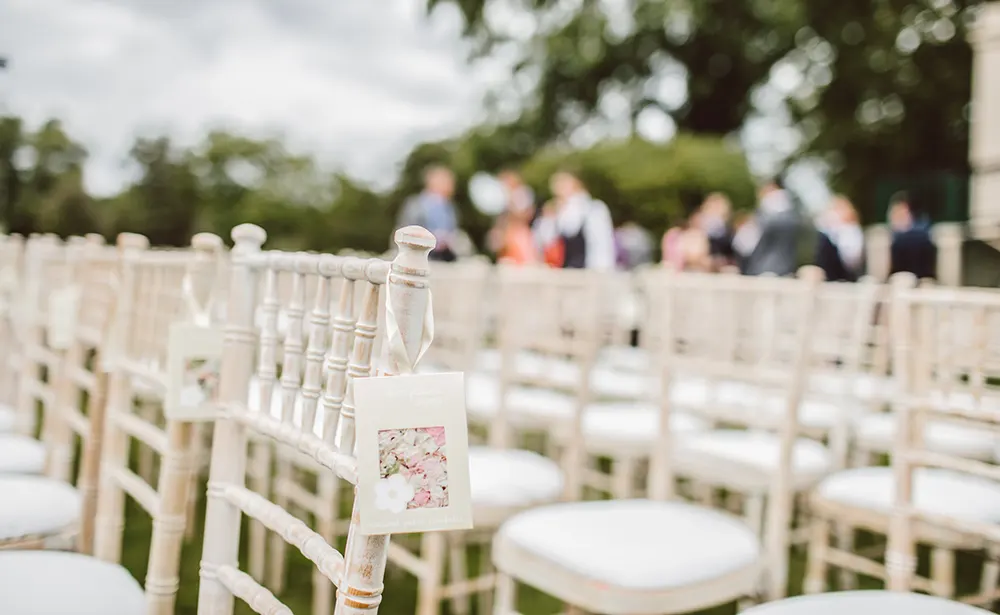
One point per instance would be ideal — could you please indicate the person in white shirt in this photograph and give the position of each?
(578, 229)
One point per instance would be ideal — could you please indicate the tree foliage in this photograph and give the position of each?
(876, 87)
(228, 179)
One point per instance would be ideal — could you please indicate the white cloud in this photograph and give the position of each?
(356, 83)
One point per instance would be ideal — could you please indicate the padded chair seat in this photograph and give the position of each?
(604, 552)
(511, 478)
(64, 583)
(874, 602)
(21, 455)
(632, 424)
(626, 358)
(867, 387)
(935, 491)
(482, 393)
(876, 432)
(36, 506)
(813, 413)
(7, 418)
(747, 459)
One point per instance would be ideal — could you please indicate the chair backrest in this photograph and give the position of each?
(747, 340)
(11, 263)
(155, 289)
(947, 364)
(46, 271)
(460, 296)
(551, 326)
(347, 351)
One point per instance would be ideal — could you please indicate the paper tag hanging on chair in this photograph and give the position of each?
(194, 359)
(61, 318)
(412, 446)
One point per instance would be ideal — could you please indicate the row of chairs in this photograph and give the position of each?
(776, 390)
(60, 544)
(742, 376)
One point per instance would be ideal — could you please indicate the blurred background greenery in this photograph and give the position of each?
(874, 88)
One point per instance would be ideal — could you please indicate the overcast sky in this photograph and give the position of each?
(356, 82)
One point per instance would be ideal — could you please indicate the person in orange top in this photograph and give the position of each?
(512, 233)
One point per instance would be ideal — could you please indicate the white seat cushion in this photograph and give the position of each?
(747, 458)
(631, 423)
(6, 418)
(34, 505)
(512, 478)
(482, 396)
(637, 544)
(875, 602)
(63, 583)
(867, 387)
(627, 358)
(876, 432)
(21, 455)
(935, 491)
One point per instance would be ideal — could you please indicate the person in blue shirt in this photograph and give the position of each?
(434, 210)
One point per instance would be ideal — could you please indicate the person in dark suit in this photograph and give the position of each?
(840, 242)
(774, 249)
(913, 250)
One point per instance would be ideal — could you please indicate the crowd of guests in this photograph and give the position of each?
(575, 230)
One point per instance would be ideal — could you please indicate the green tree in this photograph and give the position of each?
(726, 48)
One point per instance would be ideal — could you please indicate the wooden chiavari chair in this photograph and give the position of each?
(662, 556)
(943, 356)
(865, 603)
(324, 429)
(44, 510)
(11, 264)
(78, 584)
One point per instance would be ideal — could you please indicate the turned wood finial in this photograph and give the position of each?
(903, 280)
(132, 241)
(248, 237)
(206, 242)
(811, 273)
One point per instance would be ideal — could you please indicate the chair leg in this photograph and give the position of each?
(485, 597)
(991, 573)
(845, 542)
(277, 548)
(506, 596)
(816, 562)
(326, 526)
(623, 477)
(260, 483)
(432, 551)
(194, 496)
(147, 411)
(754, 512)
(943, 572)
(458, 571)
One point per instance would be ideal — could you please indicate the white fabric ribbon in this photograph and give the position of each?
(397, 349)
(201, 315)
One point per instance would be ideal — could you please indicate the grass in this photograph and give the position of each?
(401, 588)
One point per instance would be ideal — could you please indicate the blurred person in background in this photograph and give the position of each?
(912, 250)
(714, 220)
(434, 210)
(686, 247)
(769, 243)
(511, 237)
(635, 246)
(576, 229)
(840, 246)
